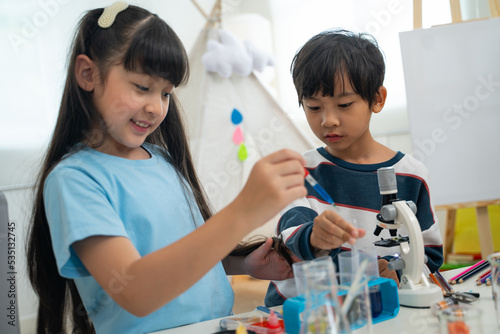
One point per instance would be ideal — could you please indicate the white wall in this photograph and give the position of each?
(37, 36)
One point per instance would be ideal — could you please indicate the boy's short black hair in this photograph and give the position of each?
(333, 54)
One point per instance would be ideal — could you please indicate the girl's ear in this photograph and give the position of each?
(380, 97)
(85, 72)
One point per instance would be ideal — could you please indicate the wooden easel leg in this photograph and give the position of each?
(417, 14)
(456, 13)
(449, 234)
(494, 8)
(484, 230)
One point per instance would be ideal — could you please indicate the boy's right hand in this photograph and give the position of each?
(330, 231)
(384, 271)
(274, 182)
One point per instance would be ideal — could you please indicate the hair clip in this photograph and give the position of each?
(108, 16)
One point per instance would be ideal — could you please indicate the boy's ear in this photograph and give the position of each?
(85, 72)
(379, 102)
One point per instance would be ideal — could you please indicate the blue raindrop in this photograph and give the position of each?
(236, 117)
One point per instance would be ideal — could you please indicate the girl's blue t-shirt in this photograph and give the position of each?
(91, 193)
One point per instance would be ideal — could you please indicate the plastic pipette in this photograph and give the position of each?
(322, 192)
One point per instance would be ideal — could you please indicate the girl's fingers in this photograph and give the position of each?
(284, 155)
(281, 170)
(294, 193)
(290, 167)
(290, 181)
(275, 181)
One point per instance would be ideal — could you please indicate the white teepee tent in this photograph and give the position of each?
(208, 101)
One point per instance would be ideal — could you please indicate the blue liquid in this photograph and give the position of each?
(376, 301)
(322, 192)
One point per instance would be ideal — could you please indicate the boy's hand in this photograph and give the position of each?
(385, 272)
(330, 231)
(266, 263)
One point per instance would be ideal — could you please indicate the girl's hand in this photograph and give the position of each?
(275, 181)
(330, 231)
(266, 263)
(385, 272)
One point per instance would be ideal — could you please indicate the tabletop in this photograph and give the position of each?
(408, 320)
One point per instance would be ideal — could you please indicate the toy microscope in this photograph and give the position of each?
(415, 290)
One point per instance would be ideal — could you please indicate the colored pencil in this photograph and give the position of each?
(443, 281)
(465, 271)
(482, 279)
(473, 272)
(486, 278)
(485, 274)
(435, 280)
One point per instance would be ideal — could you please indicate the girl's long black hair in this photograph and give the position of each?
(246, 247)
(141, 41)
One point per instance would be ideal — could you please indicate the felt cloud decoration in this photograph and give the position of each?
(260, 58)
(231, 56)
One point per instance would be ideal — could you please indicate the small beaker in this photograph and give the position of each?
(322, 314)
(300, 277)
(349, 262)
(460, 318)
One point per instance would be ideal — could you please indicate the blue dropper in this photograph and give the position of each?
(322, 192)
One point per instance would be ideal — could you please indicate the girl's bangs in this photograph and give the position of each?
(156, 50)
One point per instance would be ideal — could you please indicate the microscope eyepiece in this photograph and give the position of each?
(387, 181)
(389, 190)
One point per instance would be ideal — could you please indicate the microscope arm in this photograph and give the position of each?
(413, 254)
(415, 289)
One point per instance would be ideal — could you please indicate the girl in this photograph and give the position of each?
(122, 235)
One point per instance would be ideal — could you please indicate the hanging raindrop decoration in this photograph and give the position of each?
(236, 117)
(238, 138)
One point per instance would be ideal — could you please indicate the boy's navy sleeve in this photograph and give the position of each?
(434, 257)
(295, 226)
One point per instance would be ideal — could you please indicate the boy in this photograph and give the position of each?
(339, 78)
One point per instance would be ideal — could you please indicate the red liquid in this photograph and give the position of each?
(264, 324)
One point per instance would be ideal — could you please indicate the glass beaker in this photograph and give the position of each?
(322, 314)
(349, 262)
(355, 298)
(460, 318)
